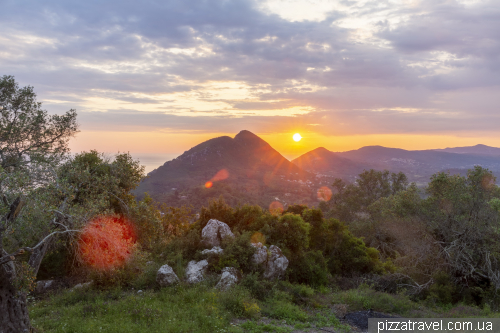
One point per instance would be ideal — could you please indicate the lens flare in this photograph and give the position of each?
(276, 208)
(220, 175)
(106, 242)
(257, 237)
(324, 193)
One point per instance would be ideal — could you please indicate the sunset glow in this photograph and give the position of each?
(297, 137)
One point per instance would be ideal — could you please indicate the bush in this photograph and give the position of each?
(239, 302)
(237, 253)
(309, 268)
(260, 289)
(290, 233)
(280, 307)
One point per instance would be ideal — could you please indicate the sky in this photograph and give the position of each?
(155, 78)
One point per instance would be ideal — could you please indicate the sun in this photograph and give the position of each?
(297, 137)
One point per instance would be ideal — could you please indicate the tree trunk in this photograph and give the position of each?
(14, 317)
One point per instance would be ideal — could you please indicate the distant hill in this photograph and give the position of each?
(246, 169)
(323, 161)
(243, 169)
(419, 165)
(476, 150)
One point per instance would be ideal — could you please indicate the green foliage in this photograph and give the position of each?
(308, 268)
(239, 302)
(290, 233)
(237, 253)
(349, 200)
(365, 298)
(280, 307)
(443, 290)
(25, 278)
(258, 287)
(135, 272)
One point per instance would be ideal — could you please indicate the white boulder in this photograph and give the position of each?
(216, 250)
(195, 271)
(214, 232)
(276, 264)
(230, 276)
(260, 255)
(166, 276)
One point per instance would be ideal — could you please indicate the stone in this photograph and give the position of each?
(260, 255)
(44, 286)
(276, 264)
(83, 285)
(166, 276)
(195, 271)
(216, 250)
(214, 232)
(229, 277)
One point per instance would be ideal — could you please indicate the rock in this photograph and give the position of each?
(44, 286)
(166, 276)
(82, 285)
(260, 255)
(230, 276)
(214, 232)
(139, 291)
(276, 264)
(216, 250)
(195, 271)
(360, 318)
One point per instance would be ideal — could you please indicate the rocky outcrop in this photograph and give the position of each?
(276, 264)
(216, 250)
(214, 232)
(229, 277)
(273, 260)
(260, 255)
(166, 276)
(195, 271)
(44, 286)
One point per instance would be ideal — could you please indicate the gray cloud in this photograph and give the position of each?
(441, 61)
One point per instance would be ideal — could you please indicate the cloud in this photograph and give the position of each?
(372, 66)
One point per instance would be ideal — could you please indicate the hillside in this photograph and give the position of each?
(419, 165)
(476, 150)
(244, 169)
(323, 162)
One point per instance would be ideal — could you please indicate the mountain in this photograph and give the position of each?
(243, 169)
(476, 150)
(324, 162)
(419, 165)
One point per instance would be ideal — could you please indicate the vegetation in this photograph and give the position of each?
(379, 243)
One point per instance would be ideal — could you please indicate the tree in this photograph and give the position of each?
(44, 192)
(462, 216)
(350, 202)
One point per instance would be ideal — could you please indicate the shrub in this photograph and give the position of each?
(309, 268)
(237, 253)
(290, 233)
(239, 302)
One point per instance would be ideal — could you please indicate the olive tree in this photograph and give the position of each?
(44, 192)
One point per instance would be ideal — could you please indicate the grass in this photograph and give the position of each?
(178, 309)
(201, 308)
